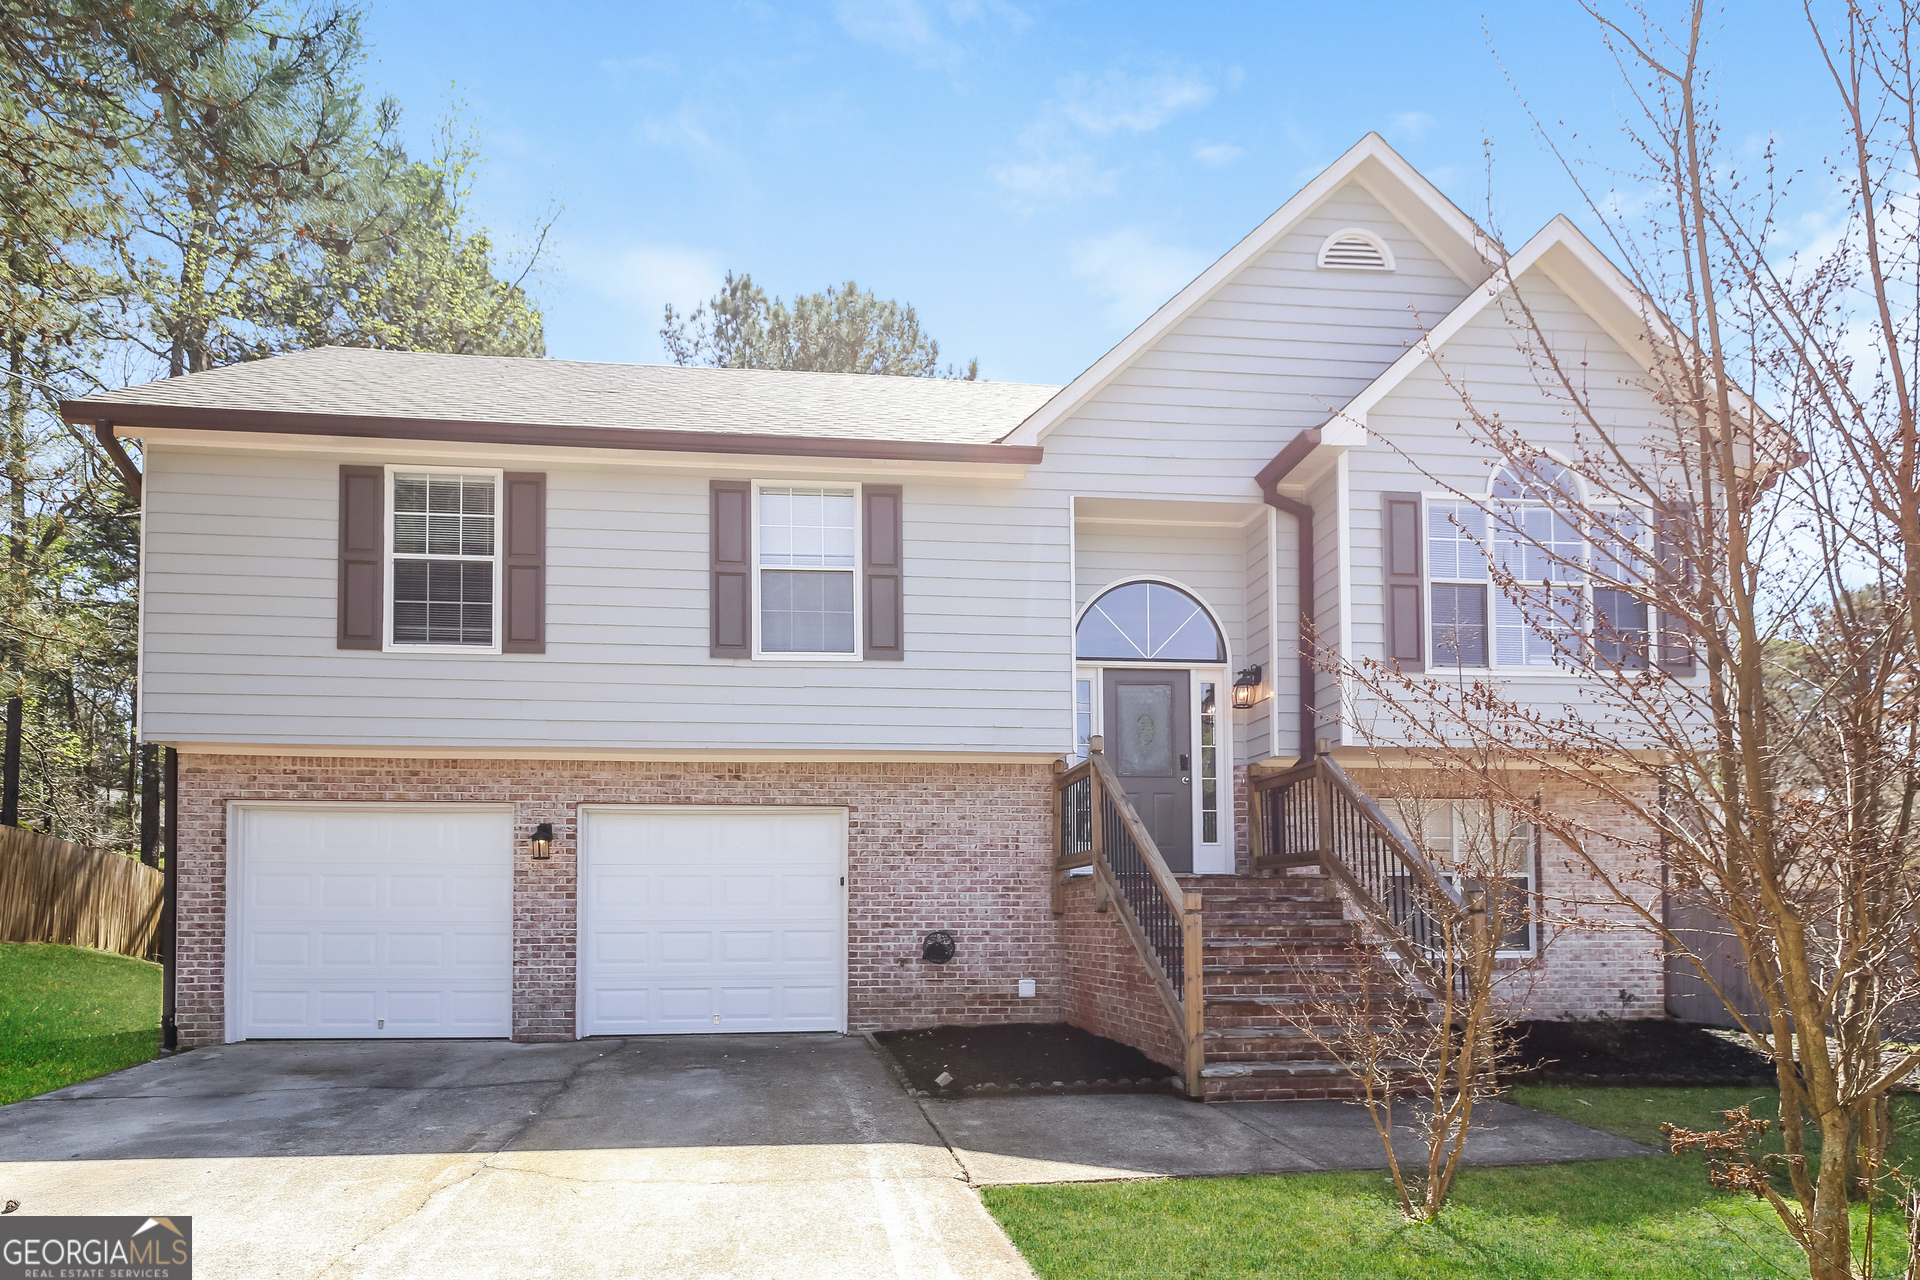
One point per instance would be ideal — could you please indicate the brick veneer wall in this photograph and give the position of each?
(1592, 947)
(961, 847)
(1600, 960)
(1106, 987)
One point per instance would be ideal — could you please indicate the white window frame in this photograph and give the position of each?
(859, 570)
(387, 642)
(1585, 588)
(1528, 872)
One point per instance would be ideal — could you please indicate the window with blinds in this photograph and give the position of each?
(444, 572)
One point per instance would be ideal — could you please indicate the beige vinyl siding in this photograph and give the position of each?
(239, 626)
(1272, 353)
(1205, 559)
(1254, 730)
(1198, 413)
(1421, 420)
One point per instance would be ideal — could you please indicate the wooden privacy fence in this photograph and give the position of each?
(54, 891)
(1710, 937)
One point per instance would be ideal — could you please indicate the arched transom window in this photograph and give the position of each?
(1148, 621)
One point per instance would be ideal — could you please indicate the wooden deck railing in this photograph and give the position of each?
(1100, 829)
(1315, 812)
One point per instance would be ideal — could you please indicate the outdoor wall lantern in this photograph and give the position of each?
(543, 842)
(1245, 685)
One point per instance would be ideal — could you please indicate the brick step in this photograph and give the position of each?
(1283, 938)
(1293, 963)
(1258, 1016)
(1236, 1010)
(1334, 1086)
(1228, 1037)
(1271, 923)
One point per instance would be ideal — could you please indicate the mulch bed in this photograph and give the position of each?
(1641, 1051)
(1021, 1059)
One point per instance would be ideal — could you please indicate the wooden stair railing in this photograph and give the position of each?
(1316, 812)
(1098, 828)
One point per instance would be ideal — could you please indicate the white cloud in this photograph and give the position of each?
(919, 30)
(1054, 161)
(1050, 169)
(681, 131)
(1133, 273)
(640, 278)
(1137, 103)
(1217, 154)
(1410, 126)
(644, 62)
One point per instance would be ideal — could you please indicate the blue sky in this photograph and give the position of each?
(1034, 177)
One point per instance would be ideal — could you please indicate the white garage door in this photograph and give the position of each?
(371, 920)
(696, 919)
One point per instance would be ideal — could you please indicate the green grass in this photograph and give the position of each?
(1648, 1218)
(69, 1014)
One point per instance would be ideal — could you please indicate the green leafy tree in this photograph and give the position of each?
(401, 269)
(847, 330)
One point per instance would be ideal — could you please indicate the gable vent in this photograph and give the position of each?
(1355, 250)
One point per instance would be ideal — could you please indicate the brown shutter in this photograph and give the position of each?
(363, 546)
(1404, 585)
(1673, 638)
(523, 568)
(730, 594)
(884, 609)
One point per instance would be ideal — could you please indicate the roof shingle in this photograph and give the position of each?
(355, 382)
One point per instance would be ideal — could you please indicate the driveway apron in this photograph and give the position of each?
(697, 1156)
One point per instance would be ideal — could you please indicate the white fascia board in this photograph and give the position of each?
(454, 452)
(1435, 220)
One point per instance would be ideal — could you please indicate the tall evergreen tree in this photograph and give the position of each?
(254, 134)
(400, 268)
(844, 330)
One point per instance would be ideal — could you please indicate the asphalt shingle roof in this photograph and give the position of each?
(356, 382)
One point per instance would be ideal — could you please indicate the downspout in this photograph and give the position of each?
(1269, 479)
(170, 903)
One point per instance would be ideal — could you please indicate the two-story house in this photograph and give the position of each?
(545, 699)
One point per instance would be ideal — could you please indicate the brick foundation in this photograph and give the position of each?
(1106, 988)
(961, 847)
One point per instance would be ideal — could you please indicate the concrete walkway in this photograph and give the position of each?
(673, 1156)
(1078, 1139)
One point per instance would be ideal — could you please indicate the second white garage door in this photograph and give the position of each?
(711, 919)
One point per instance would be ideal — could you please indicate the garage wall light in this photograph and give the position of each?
(543, 841)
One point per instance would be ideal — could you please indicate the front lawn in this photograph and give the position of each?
(1648, 1218)
(68, 1014)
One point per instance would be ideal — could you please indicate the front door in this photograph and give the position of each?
(1149, 748)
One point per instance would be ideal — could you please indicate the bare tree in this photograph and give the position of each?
(1736, 586)
(1425, 1043)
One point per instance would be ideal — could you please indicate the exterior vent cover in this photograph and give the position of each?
(1355, 250)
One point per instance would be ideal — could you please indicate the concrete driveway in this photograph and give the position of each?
(696, 1156)
(796, 1156)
